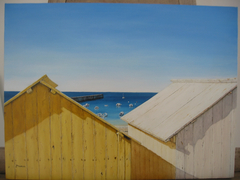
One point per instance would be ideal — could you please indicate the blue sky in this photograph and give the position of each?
(117, 47)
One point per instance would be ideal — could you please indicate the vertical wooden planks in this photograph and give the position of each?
(135, 160)
(159, 170)
(32, 135)
(142, 157)
(198, 142)
(208, 140)
(147, 162)
(20, 155)
(233, 131)
(106, 152)
(155, 167)
(56, 148)
(233, 144)
(43, 114)
(188, 155)
(100, 150)
(9, 146)
(78, 151)
(217, 140)
(66, 123)
(88, 147)
(112, 154)
(121, 159)
(127, 156)
(226, 135)
(151, 164)
(234, 98)
(180, 151)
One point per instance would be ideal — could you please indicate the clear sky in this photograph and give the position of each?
(117, 47)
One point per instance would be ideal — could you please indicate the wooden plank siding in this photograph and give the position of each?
(207, 144)
(19, 139)
(77, 145)
(143, 159)
(180, 151)
(56, 140)
(32, 135)
(198, 143)
(157, 161)
(44, 133)
(228, 141)
(49, 137)
(217, 139)
(9, 143)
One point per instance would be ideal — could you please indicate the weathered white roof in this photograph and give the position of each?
(165, 114)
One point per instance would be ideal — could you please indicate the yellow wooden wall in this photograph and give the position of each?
(49, 137)
(148, 165)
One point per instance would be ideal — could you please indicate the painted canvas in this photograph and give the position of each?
(126, 52)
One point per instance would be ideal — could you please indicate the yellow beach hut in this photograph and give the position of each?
(50, 136)
(190, 124)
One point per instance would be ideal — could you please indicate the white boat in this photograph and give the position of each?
(99, 114)
(121, 113)
(86, 105)
(105, 115)
(123, 96)
(118, 104)
(102, 115)
(130, 105)
(96, 107)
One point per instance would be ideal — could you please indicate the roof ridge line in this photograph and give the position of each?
(226, 80)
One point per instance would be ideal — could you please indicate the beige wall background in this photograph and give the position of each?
(233, 3)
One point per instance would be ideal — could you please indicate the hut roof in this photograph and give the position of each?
(169, 111)
(52, 86)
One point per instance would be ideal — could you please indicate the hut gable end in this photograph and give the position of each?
(49, 135)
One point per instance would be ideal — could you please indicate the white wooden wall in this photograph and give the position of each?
(206, 148)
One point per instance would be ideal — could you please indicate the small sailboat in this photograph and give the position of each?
(99, 114)
(96, 108)
(118, 104)
(121, 113)
(102, 115)
(123, 96)
(130, 105)
(86, 105)
(105, 115)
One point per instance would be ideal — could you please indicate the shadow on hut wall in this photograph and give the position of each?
(206, 146)
(198, 128)
(31, 109)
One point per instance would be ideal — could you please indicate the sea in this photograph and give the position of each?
(106, 107)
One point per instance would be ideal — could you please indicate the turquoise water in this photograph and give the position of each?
(107, 104)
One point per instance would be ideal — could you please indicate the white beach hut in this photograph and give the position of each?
(190, 124)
